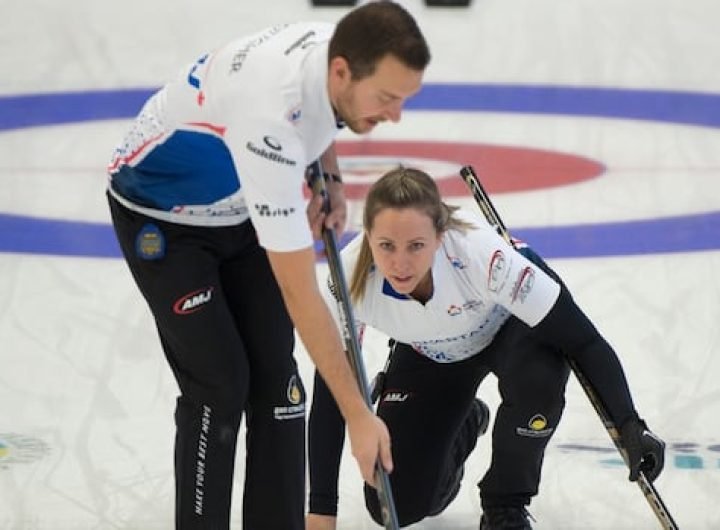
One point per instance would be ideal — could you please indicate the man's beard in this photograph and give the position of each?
(358, 126)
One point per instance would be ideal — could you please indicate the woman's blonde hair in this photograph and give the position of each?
(399, 189)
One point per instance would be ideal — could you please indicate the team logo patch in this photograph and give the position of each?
(193, 301)
(150, 243)
(295, 395)
(537, 427)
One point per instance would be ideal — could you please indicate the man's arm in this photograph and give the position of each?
(295, 273)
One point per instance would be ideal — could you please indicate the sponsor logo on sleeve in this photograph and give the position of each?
(301, 43)
(242, 53)
(523, 285)
(497, 273)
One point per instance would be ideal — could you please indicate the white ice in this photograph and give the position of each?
(86, 398)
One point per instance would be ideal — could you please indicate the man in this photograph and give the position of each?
(206, 200)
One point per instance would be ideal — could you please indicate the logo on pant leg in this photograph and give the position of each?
(296, 397)
(394, 397)
(150, 243)
(537, 427)
(294, 393)
(193, 301)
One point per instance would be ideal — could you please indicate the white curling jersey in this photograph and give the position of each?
(229, 139)
(479, 281)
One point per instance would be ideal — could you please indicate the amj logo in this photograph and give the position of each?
(193, 301)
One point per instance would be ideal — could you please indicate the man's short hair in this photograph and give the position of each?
(376, 29)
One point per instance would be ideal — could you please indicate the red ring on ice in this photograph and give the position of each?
(503, 169)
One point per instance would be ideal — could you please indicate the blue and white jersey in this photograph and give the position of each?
(478, 282)
(229, 139)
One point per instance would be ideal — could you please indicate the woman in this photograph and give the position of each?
(460, 303)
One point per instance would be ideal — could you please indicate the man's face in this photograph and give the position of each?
(364, 103)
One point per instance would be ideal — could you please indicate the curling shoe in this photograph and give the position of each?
(505, 518)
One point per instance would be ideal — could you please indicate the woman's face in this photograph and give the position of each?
(403, 243)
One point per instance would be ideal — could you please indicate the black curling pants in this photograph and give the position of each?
(426, 404)
(229, 342)
(427, 408)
